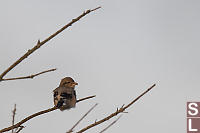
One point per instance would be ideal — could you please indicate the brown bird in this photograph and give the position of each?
(65, 94)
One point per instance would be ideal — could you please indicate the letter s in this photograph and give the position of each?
(194, 109)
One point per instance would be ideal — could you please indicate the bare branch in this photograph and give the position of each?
(21, 127)
(122, 109)
(39, 44)
(95, 9)
(82, 99)
(31, 76)
(110, 124)
(71, 130)
(34, 115)
(13, 116)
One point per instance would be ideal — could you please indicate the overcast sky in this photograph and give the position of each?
(116, 53)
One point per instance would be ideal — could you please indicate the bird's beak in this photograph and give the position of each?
(74, 83)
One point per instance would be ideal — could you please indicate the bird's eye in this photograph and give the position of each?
(66, 83)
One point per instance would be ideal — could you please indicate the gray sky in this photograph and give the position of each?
(115, 53)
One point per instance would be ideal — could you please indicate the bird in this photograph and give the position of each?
(65, 94)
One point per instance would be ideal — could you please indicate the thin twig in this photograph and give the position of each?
(34, 115)
(39, 44)
(13, 116)
(110, 124)
(71, 130)
(21, 127)
(122, 109)
(85, 98)
(30, 76)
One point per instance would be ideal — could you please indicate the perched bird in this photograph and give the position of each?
(65, 94)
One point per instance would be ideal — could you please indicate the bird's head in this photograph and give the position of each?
(68, 82)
